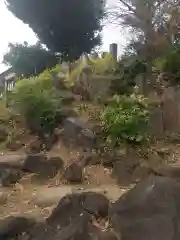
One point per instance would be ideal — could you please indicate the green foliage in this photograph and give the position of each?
(55, 69)
(27, 60)
(171, 63)
(106, 65)
(128, 68)
(125, 118)
(74, 76)
(66, 27)
(37, 100)
(4, 112)
(100, 66)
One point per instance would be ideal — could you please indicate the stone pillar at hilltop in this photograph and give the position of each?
(113, 50)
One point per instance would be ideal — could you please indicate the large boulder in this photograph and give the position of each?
(12, 161)
(168, 170)
(76, 205)
(74, 173)
(78, 133)
(89, 158)
(10, 169)
(96, 204)
(13, 227)
(43, 167)
(150, 211)
(78, 229)
(71, 219)
(10, 176)
(123, 170)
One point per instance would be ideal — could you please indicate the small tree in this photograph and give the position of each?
(27, 60)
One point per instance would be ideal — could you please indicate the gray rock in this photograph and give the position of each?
(76, 205)
(12, 161)
(108, 236)
(35, 163)
(67, 97)
(40, 165)
(78, 133)
(89, 159)
(35, 146)
(123, 170)
(148, 211)
(58, 81)
(3, 134)
(10, 176)
(74, 173)
(12, 227)
(96, 204)
(56, 162)
(49, 141)
(170, 170)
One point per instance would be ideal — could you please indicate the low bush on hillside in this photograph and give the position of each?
(38, 102)
(170, 63)
(103, 66)
(125, 118)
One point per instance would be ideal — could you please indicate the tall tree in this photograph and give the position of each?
(64, 26)
(154, 24)
(27, 60)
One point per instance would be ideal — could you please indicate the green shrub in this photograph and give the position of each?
(55, 69)
(127, 69)
(74, 76)
(125, 118)
(37, 100)
(171, 63)
(101, 66)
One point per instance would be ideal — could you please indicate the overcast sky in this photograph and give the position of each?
(13, 30)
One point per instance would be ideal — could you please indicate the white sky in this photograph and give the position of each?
(13, 30)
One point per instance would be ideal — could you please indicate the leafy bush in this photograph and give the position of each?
(171, 63)
(101, 66)
(125, 118)
(4, 112)
(127, 69)
(74, 76)
(37, 100)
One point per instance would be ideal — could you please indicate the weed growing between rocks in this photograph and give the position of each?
(125, 118)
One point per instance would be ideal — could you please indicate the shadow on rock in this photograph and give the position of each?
(43, 168)
(72, 218)
(148, 211)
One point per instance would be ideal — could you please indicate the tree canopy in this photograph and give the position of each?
(154, 26)
(64, 26)
(27, 60)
